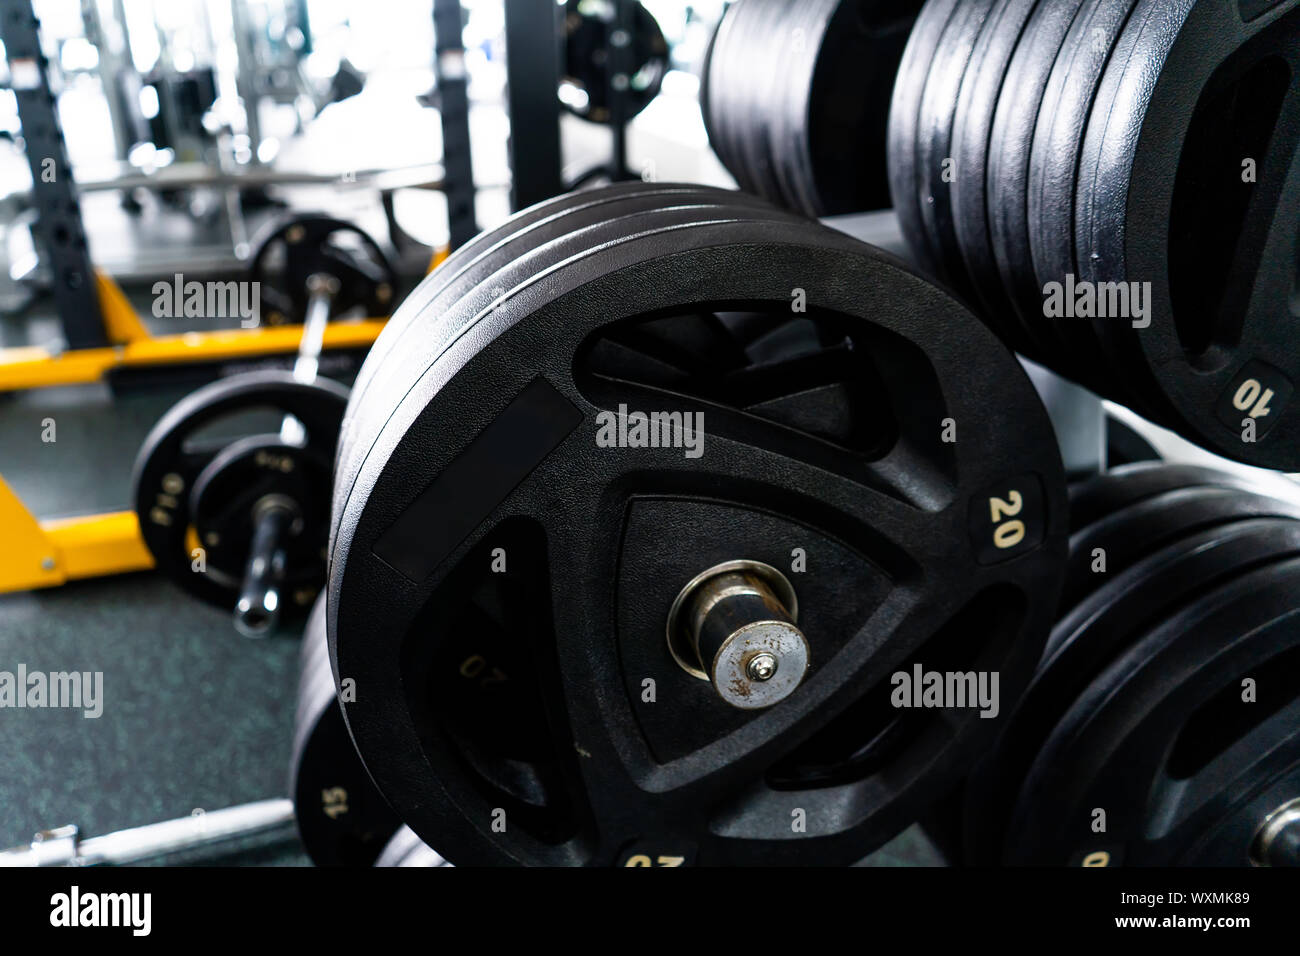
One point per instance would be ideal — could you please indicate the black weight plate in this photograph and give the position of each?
(1161, 739)
(1010, 146)
(797, 98)
(175, 452)
(793, 37)
(905, 174)
(733, 98)
(715, 98)
(1054, 169)
(834, 103)
(766, 40)
(1201, 92)
(581, 499)
(845, 109)
(342, 819)
(288, 252)
(1111, 118)
(223, 504)
(1094, 499)
(407, 849)
(587, 30)
(530, 254)
(846, 106)
(1131, 533)
(744, 92)
(971, 132)
(1090, 636)
(495, 250)
(934, 139)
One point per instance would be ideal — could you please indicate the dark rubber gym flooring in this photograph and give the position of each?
(195, 716)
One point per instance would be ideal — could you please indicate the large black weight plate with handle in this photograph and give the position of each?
(505, 555)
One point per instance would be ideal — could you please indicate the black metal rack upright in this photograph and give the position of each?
(533, 76)
(58, 227)
(453, 105)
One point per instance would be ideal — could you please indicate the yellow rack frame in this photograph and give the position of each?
(43, 554)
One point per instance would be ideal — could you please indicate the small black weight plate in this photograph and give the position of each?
(588, 28)
(972, 129)
(934, 139)
(1010, 147)
(1090, 636)
(1164, 741)
(223, 507)
(491, 455)
(407, 849)
(292, 250)
(1201, 92)
(177, 450)
(342, 819)
(905, 174)
(1054, 169)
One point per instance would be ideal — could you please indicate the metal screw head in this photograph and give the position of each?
(761, 667)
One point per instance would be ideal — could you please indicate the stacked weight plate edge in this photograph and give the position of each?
(1011, 138)
(1167, 534)
(905, 173)
(487, 253)
(1168, 742)
(490, 268)
(844, 107)
(342, 819)
(934, 153)
(530, 348)
(796, 97)
(981, 88)
(802, 29)
(1164, 202)
(730, 82)
(1054, 171)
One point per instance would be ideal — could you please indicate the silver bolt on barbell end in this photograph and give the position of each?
(63, 846)
(734, 626)
(1277, 843)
